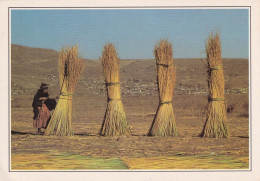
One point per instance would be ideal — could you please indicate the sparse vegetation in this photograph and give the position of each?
(30, 151)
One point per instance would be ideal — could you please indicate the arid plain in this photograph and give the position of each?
(86, 150)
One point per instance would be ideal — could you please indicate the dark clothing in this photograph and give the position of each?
(38, 103)
(35, 112)
(50, 103)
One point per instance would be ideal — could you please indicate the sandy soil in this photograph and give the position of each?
(87, 142)
(29, 151)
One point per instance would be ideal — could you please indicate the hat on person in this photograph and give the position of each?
(44, 86)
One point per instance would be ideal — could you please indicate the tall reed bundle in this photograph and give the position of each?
(115, 122)
(216, 118)
(70, 68)
(164, 120)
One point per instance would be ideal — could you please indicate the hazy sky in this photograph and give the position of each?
(134, 32)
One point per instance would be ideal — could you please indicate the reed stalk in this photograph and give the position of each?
(164, 121)
(216, 118)
(115, 122)
(70, 68)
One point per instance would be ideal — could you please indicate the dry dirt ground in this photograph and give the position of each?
(86, 150)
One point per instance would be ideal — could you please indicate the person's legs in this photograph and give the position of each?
(45, 116)
(36, 119)
(39, 131)
(35, 112)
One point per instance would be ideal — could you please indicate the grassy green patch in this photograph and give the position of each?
(63, 161)
(187, 162)
(66, 161)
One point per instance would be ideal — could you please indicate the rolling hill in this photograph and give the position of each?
(31, 66)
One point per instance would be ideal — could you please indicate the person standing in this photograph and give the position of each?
(40, 110)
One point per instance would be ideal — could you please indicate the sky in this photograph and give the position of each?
(134, 32)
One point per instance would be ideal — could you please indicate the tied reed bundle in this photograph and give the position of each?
(216, 118)
(164, 120)
(70, 68)
(115, 122)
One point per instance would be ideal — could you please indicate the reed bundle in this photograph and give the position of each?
(70, 69)
(164, 121)
(115, 122)
(216, 118)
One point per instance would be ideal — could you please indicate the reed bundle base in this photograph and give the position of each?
(164, 122)
(60, 123)
(115, 122)
(216, 125)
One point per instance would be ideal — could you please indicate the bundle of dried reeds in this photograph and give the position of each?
(216, 118)
(115, 122)
(164, 121)
(70, 68)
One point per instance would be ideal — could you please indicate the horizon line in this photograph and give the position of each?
(125, 58)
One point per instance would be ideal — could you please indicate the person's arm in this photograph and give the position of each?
(43, 98)
(36, 101)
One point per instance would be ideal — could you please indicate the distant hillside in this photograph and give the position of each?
(30, 66)
(24, 53)
(32, 60)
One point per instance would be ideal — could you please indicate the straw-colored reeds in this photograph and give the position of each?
(70, 67)
(115, 122)
(216, 118)
(164, 121)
